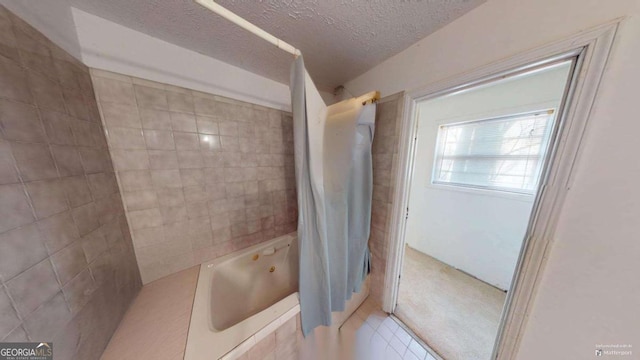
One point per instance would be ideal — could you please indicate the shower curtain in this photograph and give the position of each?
(334, 185)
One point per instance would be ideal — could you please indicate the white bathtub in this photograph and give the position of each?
(242, 297)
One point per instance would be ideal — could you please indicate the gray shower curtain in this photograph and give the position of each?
(334, 185)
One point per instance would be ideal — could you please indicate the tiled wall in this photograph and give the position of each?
(385, 158)
(201, 175)
(282, 344)
(67, 268)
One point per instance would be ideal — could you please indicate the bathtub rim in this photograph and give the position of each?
(254, 249)
(251, 249)
(205, 342)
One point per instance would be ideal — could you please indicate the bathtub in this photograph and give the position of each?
(244, 296)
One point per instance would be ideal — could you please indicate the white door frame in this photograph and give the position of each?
(592, 48)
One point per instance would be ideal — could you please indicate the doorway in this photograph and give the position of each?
(588, 52)
(480, 156)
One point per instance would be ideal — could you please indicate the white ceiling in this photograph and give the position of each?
(339, 39)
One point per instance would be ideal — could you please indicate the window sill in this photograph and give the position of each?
(483, 192)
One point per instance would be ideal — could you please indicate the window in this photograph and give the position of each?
(503, 154)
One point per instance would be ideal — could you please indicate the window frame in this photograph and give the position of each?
(490, 189)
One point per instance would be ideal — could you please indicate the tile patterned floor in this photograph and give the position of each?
(369, 334)
(386, 337)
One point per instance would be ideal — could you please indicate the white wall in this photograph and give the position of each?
(113, 47)
(52, 18)
(477, 231)
(590, 289)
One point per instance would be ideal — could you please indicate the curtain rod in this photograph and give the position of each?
(369, 97)
(218, 9)
(372, 96)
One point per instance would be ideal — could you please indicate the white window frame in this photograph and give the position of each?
(490, 188)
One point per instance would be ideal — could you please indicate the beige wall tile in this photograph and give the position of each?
(47, 93)
(13, 81)
(192, 177)
(197, 209)
(22, 248)
(210, 142)
(228, 128)
(188, 159)
(141, 219)
(195, 193)
(150, 97)
(148, 236)
(135, 180)
(85, 218)
(230, 143)
(66, 74)
(14, 207)
(169, 197)
(33, 287)
(166, 178)
(205, 106)
(140, 200)
(8, 317)
(48, 197)
(159, 140)
(78, 291)
(163, 159)
(94, 244)
(183, 122)
(114, 91)
(125, 138)
(69, 261)
(102, 185)
(58, 231)
(68, 160)
(186, 141)
(125, 115)
(207, 125)
(20, 122)
(216, 192)
(49, 319)
(174, 214)
(201, 161)
(130, 159)
(180, 102)
(8, 169)
(77, 190)
(35, 57)
(82, 132)
(94, 160)
(51, 139)
(155, 119)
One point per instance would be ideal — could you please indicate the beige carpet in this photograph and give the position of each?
(454, 313)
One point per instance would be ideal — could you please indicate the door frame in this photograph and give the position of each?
(592, 48)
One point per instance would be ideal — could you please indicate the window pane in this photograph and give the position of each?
(503, 153)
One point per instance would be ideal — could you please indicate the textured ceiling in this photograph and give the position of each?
(340, 39)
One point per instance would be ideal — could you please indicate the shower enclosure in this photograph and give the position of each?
(334, 184)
